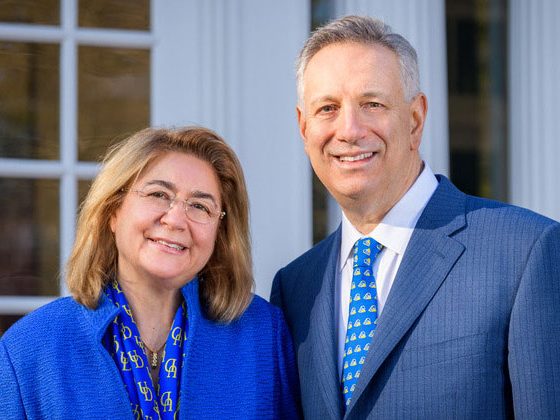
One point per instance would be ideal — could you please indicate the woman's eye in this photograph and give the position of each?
(200, 207)
(162, 195)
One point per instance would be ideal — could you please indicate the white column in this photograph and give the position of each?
(422, 23)
(534, 89)
(229, 65)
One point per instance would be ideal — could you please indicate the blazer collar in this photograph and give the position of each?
(430, 255)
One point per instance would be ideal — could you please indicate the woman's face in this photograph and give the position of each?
(164, 248)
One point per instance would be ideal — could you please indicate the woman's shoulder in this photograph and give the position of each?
(262, 310)
(261, 322)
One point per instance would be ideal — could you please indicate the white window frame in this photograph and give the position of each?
(227, 65)
(67, 169)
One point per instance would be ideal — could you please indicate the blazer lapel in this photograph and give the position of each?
(430, 255)
(320, 349)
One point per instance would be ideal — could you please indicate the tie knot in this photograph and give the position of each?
(365, 251)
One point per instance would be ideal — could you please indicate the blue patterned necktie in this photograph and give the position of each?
(362, 314)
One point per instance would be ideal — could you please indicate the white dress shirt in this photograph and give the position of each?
(393, 233)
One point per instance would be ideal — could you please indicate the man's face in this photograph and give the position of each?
(360, 133)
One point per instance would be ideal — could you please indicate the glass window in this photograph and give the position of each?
(83, 189)
(321, 12)
(6, 321)
(45, 12)
(116, 14)
(29, 100)
(29, 251)
(477, 63)
(113, 97)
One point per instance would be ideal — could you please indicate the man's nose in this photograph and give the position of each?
(351, 125)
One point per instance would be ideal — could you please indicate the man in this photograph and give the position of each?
(426, 302)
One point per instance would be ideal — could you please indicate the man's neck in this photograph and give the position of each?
(365, 213)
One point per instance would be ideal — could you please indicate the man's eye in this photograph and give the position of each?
(372, 105)
(327, 109)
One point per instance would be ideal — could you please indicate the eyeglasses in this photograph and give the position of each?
(198, 210)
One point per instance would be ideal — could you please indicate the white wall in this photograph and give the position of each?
(534, 89)
(235, 62)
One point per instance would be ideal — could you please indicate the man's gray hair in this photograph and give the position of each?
(362, 30)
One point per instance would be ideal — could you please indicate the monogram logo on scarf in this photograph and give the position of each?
(146, 391)
(171, 368)
(176, 336)
(136, 359)
(125, 344)
(166, 402)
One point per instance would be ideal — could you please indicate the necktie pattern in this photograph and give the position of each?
(362, 314)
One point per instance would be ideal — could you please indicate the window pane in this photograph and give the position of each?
(6, 321)
(116, 14)
(322, 11)
(477, 77)
(83, 189)
(29, 251)
(114, 97)
(29, 100)
(45, 12)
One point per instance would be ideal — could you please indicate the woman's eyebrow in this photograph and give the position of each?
(166, 184)
(204, 195)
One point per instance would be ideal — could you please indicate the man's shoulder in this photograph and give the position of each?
(483, 212)
(495, 214)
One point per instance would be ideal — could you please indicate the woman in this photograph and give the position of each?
(162, 322)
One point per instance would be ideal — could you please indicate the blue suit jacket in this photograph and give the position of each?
(471, 327)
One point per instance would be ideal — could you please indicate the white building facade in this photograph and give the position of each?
(227, 65)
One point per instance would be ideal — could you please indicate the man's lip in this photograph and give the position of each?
(354, 157)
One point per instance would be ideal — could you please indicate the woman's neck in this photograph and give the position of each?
(153, 310)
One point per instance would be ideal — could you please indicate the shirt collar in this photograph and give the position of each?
(395, 229)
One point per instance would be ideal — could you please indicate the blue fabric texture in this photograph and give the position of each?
(128, 352)
(53, 365)
(362, 314)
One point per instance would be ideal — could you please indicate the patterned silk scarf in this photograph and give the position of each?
(124, 343)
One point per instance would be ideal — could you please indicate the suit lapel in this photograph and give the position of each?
(430, 255)
(320, 350)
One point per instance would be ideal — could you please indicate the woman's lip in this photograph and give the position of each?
(169, 244)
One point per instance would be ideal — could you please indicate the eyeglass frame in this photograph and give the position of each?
(214, 216)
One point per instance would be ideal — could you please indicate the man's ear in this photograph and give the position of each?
(418, 112)
(301, 122)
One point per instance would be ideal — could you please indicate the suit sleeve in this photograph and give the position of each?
(534, 332)
(11, 405)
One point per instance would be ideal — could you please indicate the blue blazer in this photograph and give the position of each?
(54, 366)
(470, 329)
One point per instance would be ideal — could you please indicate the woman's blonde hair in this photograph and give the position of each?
(226, 282)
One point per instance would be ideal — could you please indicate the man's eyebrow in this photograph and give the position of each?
(325, 98)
